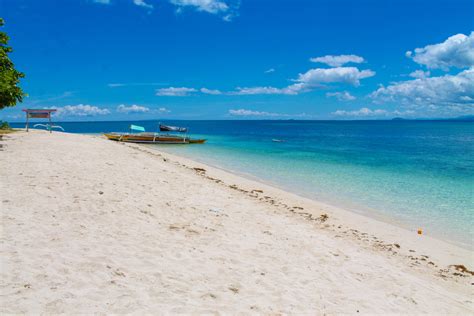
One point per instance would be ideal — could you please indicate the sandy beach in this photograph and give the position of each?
(95, 226)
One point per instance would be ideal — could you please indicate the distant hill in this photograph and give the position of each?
(465, 118)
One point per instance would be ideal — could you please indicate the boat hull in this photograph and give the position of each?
(150, 138)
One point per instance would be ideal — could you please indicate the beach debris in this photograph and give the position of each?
(119, 273)
(397, 245)
(234, 289)
(100, 192)
(257, 191)
(209, 295)
(420, 231)
(215, 210)
(462, 268)
(174, 227)
(199, 170)
(323, 217)
(192, 231)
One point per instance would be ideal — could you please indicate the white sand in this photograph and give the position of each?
(93, 226)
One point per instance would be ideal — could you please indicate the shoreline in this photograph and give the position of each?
(147, 229)
(367, 212)
(385, 230)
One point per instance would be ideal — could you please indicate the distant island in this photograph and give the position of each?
(465, 118)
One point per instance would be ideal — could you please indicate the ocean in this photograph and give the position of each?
(416, 174)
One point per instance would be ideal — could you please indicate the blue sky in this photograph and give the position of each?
(243, 59)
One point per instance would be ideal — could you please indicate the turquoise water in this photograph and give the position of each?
(413, 173)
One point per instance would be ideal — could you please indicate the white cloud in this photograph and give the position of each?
(447, 90)
(210, 91)
(258, 90)
(350, 75)
(311, 79)
(366, 112)
(290, 90)
(457, 51)
(115, 85)
(80, 110)
(122, 108)
(243, 112)
(338, 60)
(163, 110)
(361, 112)
(210, 6)
(419, 74)
(142, 3)
(175, 92)
(341, 96)
(269, 70)
(102, 1)
(251, 113)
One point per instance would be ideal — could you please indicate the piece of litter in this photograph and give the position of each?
(215, 210)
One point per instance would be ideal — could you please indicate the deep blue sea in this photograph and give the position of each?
(413, 173)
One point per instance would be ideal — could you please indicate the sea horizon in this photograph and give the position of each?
(396, 119)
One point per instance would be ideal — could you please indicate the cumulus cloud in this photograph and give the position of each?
(419, 74)
(366, 112)
(143, 4)
(122, 108)
(360, 112)
(457, 51)
(311, 79)
(210, 6)
(210, 91)
(350, 75)
(257, 90)
(217, 7)
(305, 82)
(290, 90)
(175, 92)
(338, 60)
(268, 71)
(341, 96)
(80, 110)
(243, 112)
(250, 113)
(447, 90)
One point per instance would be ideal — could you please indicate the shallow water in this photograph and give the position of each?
(414, 173)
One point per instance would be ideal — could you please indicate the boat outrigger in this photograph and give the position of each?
(154, 138)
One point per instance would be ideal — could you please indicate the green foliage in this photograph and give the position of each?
(4, 126)
(10, 92)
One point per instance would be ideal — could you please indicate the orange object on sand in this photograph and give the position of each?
(420, 231)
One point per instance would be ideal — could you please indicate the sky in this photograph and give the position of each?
(242, 59)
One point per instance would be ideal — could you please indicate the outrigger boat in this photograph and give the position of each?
(154, 138)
